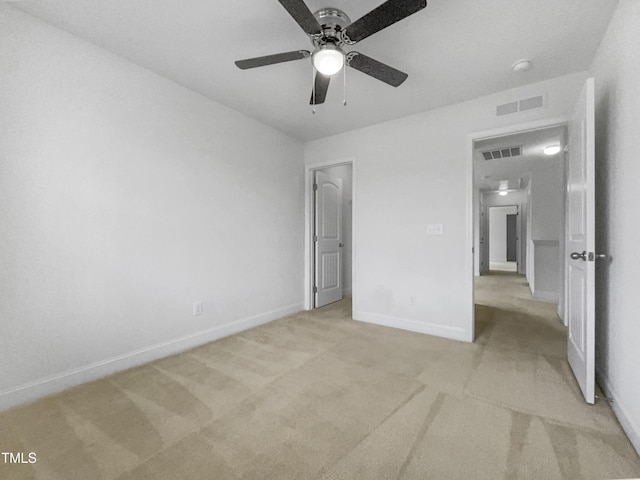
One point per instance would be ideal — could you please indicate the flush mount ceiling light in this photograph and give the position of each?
(552, 149)
(328, 59)
(503, 188)
(521, 65)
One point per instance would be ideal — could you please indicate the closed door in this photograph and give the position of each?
(328, 239)
(580, 242)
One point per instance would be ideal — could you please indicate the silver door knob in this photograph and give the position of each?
(577, 256)
(341, 245)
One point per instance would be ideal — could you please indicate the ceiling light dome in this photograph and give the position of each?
(552, 150)
(521, 65)
(328, 59)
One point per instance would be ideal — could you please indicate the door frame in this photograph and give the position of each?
(309, 218)
(471, 200)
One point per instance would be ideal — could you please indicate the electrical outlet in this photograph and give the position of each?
(434, 229)
(197, 308)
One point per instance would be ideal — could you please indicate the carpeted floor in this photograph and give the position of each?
(317, 395)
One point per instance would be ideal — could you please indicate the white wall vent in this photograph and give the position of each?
(520, 105)
(502, 153)
(530, 103)
(507, 108)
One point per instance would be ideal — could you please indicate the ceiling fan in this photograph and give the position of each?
(329, 30)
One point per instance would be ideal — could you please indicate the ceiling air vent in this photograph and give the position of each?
(502, 153)
(520, 105)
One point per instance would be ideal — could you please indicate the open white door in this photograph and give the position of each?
(580, 242)
(328, 239)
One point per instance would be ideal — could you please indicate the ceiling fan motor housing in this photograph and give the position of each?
(333, 21)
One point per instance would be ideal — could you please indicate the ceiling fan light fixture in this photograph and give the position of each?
(328, 59)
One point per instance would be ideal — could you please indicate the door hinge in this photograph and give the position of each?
(315, 238)
(315, 186)
(315, 289)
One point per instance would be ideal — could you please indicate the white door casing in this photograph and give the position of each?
(580, 242)
(328, 239)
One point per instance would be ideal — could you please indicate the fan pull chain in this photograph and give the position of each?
(344, 85)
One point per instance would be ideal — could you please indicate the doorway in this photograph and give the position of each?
(503, 238)
(518, 209)
(329, 232)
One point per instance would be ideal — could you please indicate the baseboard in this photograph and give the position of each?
(551, 297)
(453, 333)
(618, 405)
(42, 387)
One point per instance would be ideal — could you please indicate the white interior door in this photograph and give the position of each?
(328, 239)
(580, 242)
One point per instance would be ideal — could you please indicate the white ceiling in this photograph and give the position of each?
(516, 171)
(453, 50)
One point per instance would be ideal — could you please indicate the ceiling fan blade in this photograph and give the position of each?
(387, 14)
(376, 69)
(302, 15)
(320, 91)
(271, 59)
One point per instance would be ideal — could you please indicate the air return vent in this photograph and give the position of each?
(520, 105)
(530, 103)
(502, 153)
(507, 108)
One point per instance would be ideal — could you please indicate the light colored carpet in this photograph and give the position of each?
(317, 395)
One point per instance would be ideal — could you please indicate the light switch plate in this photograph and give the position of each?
(434, 229)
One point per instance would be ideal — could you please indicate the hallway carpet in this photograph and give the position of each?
(319, 396)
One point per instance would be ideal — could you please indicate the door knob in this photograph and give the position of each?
(341, 245)
(576, 255)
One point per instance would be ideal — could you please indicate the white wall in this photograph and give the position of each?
(345, 174)
(546, 267)
(124, 198)
(547, 229)
(547, 199)
(617, 74)
(498, 232)
(411, 172)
